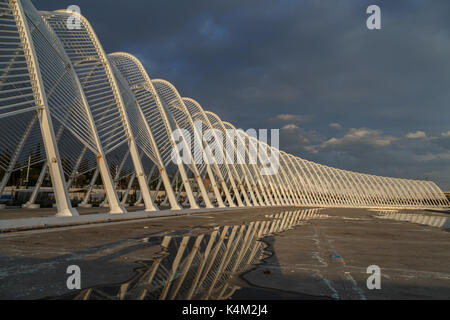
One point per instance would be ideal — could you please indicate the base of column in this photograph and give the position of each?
(31, 206)
(85, 205)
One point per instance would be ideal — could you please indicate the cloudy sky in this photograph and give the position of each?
(373, 101)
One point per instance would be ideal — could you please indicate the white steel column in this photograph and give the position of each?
(56, 173)
(145, 190)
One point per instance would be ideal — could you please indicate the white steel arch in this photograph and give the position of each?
(100, 88)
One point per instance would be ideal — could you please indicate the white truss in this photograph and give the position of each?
(68, 106)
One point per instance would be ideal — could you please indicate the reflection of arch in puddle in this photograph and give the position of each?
(422, 219)
(200, 266)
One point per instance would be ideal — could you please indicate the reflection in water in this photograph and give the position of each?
(200, 267)
(423, 219)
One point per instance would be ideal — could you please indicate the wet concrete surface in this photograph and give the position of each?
(317, 259)
(330, 258)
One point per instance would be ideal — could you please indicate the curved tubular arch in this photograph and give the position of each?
(227, 171)
(287, 173)
(155, 120)
(67, 101)
(176, 107)
(279, 185)
(272, 180)
(343, 197)
(144, 138)
(428, 186)
(251, 174)
(305, 188)
(309, 187)
(332, 181)
(305, 165)
(371, 194)
(200, 151)
(196, 113)
(101, 89)
(34, 77)
(439, 195)
(294, 178)
(224, 174)
(239, 172)
(253, 157)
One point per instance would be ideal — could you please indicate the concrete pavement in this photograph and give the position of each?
(320, 259)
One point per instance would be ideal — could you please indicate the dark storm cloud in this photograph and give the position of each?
(255, 61)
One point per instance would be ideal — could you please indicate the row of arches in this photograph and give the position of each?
(67, 104)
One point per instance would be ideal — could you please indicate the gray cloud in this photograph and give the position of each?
(416, 135)
(335, 125)
(296, 118)
(355, 137)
